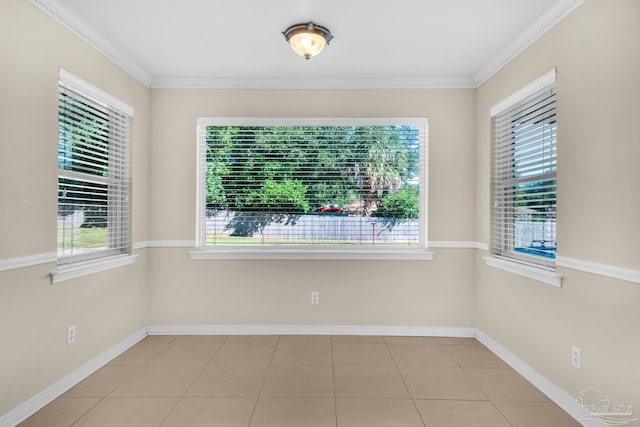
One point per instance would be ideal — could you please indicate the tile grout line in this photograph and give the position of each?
(464, 371)
(264, 380)
(413, 401)
(466, 374)
(137, 368)
(193, 382)
(146, 364)
(448, 349)
(85, 413)
(501, 413)
(333, 378)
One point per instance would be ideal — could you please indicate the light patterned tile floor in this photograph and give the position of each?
(304, 381)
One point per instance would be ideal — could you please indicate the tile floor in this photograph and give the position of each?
(304, 381)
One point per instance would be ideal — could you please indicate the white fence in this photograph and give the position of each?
(535, 233)
(313, 228)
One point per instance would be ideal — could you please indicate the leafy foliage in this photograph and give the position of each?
(83, 149)
(403, 204)
(536, 200)
(284, 171)
(274, 196)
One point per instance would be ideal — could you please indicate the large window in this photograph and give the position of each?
(313, 182)
(93, 173)
(524, 214)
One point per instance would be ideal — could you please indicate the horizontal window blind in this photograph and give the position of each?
(93, 177)
(318, 184)
(524, 216)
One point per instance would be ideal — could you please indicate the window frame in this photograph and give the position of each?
(117, 184)
(537, 267)
(291, 251)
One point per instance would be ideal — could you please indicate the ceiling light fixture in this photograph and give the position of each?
(308, 39)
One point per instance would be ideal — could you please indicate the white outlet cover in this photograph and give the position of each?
(315, 297)
(576, 357)
(71, 334)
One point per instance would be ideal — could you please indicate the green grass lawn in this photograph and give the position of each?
(87, 238)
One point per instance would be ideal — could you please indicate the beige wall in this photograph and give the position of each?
(417, 293)
(451, 150)
(596, 51)
(597, 54)
(34, 314)
(376, 293)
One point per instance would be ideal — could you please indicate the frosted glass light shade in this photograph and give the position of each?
(307, 40)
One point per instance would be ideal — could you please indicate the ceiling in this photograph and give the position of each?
(377, 43)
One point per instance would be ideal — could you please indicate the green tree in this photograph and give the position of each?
(383, 166)
(287, 196)
(536, 200)
(284, 171)
(83, 147)
(403, 204)
(216, 193)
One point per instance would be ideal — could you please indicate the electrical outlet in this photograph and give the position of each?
(576, 356)
(71, 334)
(315, 297)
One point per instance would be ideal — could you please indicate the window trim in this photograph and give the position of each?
(330, 253)
(80, 265)
(541, 82)
(519, 264)
(90, 89)
(301, 252)
(90, 267)
(530, 271)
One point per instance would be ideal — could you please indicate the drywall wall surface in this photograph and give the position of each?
(105, 307)
(596, 51)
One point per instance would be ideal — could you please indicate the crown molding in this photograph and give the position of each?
(312, 83)
(68, 20)
(556, 14)
(85, 33)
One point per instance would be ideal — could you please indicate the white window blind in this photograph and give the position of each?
(93, 173)
(310, 182)
(524, 214)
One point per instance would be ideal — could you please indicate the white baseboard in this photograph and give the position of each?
(552, 391)
(309, 330)
(40, 400)
(49, 394)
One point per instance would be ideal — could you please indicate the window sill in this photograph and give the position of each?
(541, 275)
(312, 254)
(90, 267)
